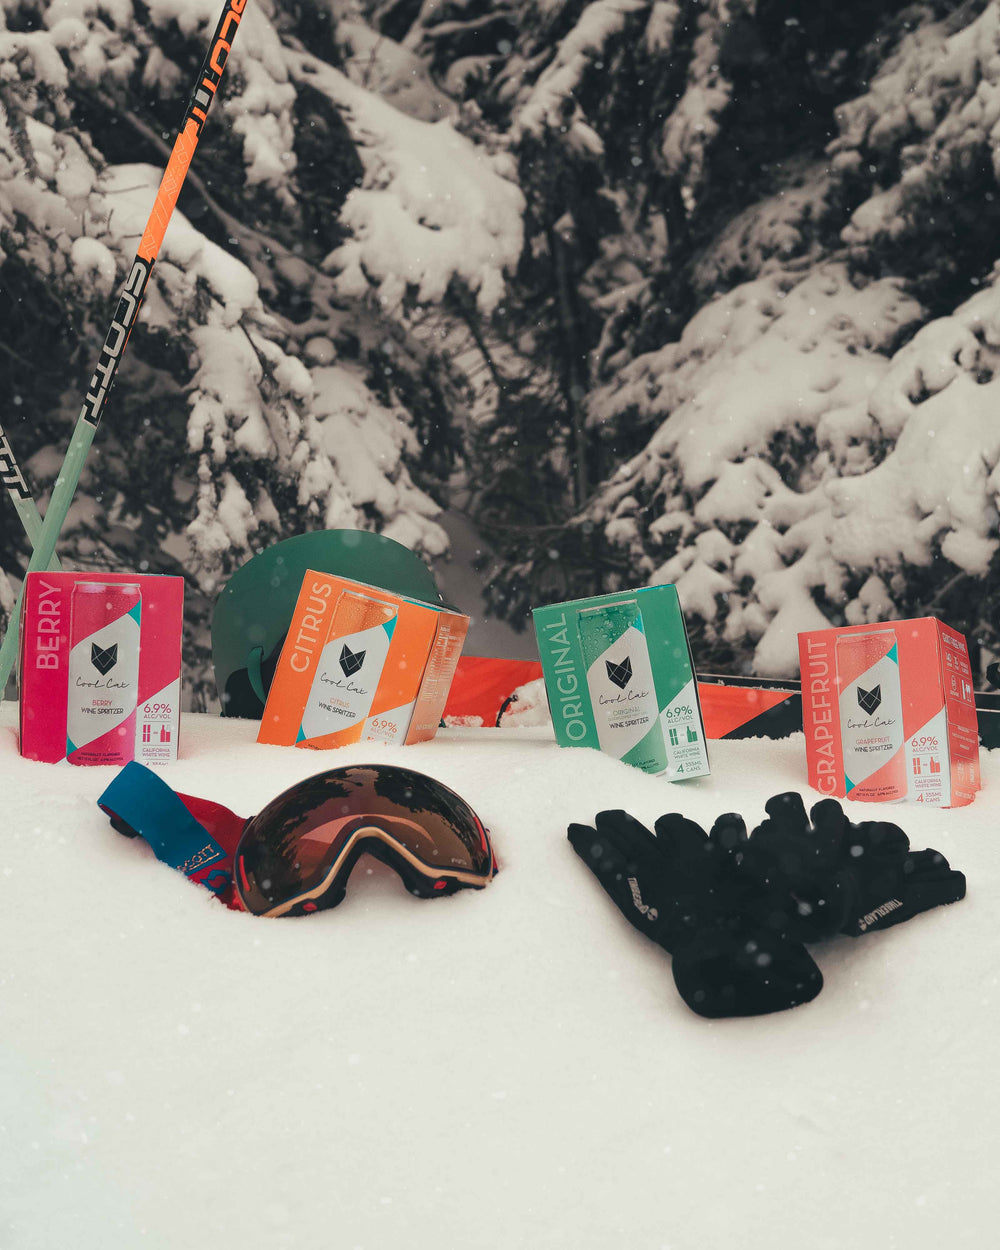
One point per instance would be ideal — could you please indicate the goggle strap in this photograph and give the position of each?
(147, 804)
(220, 822)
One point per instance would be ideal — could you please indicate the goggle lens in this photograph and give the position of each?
(296, 854)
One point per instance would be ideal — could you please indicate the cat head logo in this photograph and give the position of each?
(870, 700)
(351, 661)
(620, 674)
(105, 659)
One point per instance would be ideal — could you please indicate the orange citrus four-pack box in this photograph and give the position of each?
(889, 713)
(361, 664)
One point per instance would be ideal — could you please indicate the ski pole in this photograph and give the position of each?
(20, 495)
(127, 310)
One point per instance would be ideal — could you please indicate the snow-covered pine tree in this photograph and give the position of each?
(810, 206)
(691, 289)
(825, 448)
(560, 87)
(273, 384)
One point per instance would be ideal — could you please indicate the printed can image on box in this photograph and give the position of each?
(889, 713)
(361, 664)
(619, 677)
(103, 677)
(100, 667)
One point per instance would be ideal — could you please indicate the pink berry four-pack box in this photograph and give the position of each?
(889, 713)
(100, 667)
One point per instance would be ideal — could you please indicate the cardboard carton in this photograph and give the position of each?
(889, 713)
(361, 664)
(95, 703)
(619, 677)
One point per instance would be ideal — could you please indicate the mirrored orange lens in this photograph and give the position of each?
(302, 846)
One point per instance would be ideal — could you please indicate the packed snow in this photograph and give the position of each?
(803, 436)
(502, 1069)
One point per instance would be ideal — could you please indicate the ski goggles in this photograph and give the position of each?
(296, 855)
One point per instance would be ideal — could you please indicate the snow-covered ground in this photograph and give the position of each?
(504, 1069)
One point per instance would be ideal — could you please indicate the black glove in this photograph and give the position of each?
(687, 891)
(844, 877)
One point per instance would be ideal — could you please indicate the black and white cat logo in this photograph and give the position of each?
(104, 660)
(870, 700)
(620, 674)
(351, 661)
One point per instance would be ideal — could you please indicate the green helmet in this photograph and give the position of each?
(254, 610)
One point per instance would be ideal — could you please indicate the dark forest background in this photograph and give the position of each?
(704, 292)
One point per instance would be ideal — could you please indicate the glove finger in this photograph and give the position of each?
(720, 974)
(788, 859)
(618, 876)
(830, 826)
(631, 836)
(682, 838)
(828, 815)
(788, 812)
(876, 837)
(687, 854)
(929, 863)
(599, 853)
(909, 900)
(891, 840)
(937, 893)
(729, 831)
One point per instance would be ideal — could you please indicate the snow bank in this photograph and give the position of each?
(178, 1075)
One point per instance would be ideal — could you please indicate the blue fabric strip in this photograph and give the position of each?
(148, 805)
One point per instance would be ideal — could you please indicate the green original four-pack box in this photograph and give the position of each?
(619, 677)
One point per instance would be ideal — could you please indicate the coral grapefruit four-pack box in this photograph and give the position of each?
(361, 664)
(100, 667)
(889, 713)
